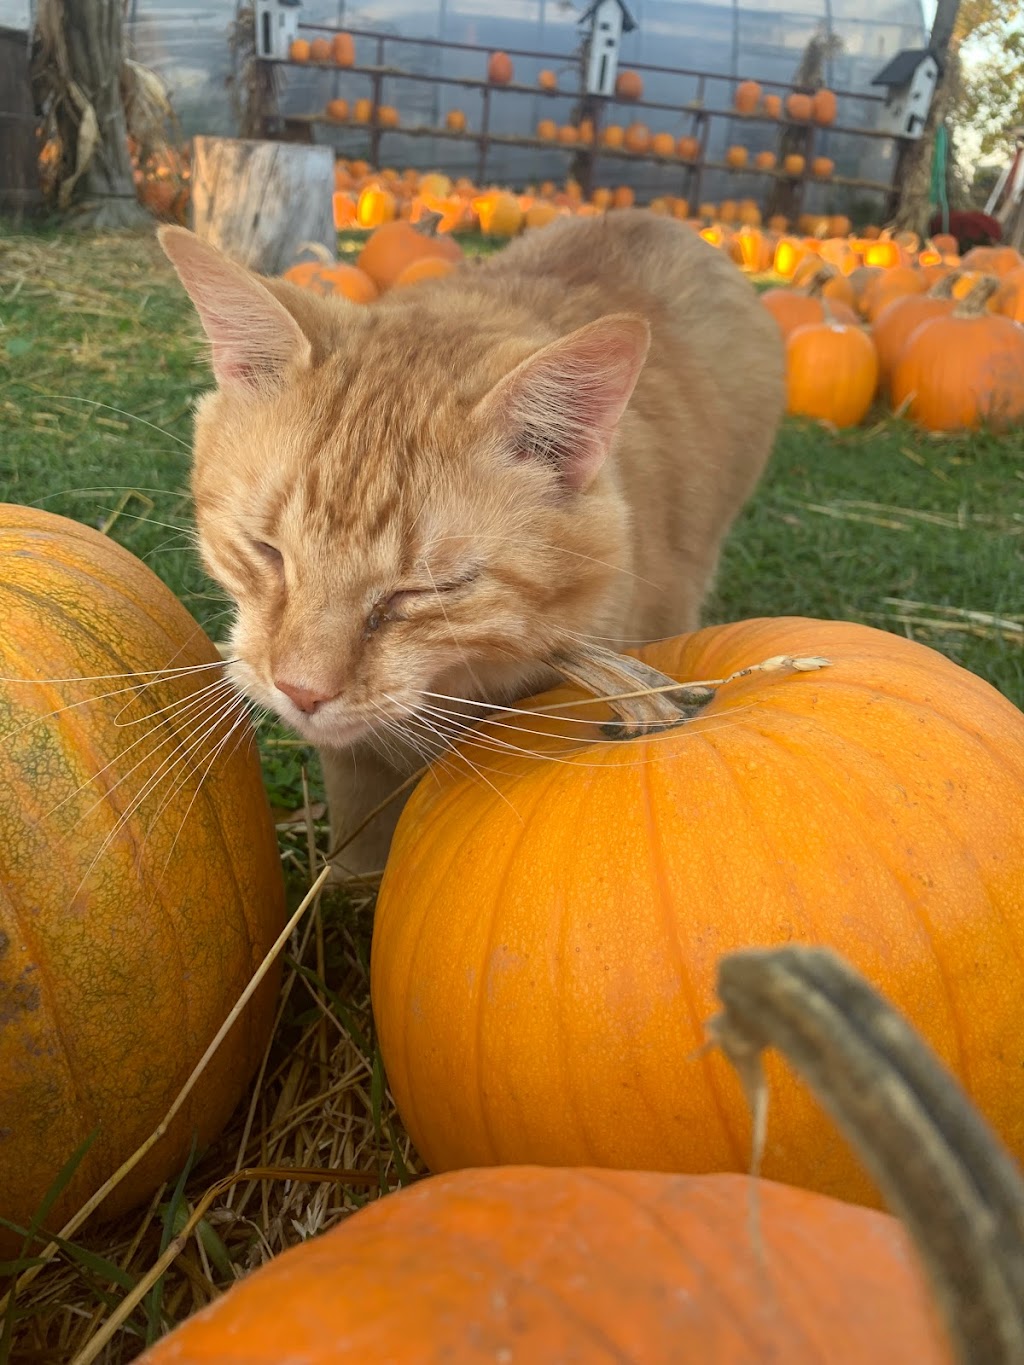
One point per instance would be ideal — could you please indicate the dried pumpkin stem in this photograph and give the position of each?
(935, 1160)
(975, 305)
(647, 701)
(943, 289)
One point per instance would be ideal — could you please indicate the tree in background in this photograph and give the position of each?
(991, 96)
(93, 98)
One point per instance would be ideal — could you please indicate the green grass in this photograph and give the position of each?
(100, 363)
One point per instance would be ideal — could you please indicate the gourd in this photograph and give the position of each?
(964, 369)
(544, 943)
(581, 1264)
(831, 371)
(140, 883)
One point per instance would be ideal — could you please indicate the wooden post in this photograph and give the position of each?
(261, 201)
(19, 175)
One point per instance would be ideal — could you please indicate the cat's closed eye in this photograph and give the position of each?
(269, 553)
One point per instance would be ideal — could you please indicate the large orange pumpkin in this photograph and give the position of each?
(541, 1265)
(545, 942)
(899, 319)
(136, 898)
(963, 370)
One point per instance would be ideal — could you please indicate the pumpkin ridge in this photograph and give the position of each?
(672, 934)
(409, 1066)
(111, 793)
(479, 1088)
(41, 963)
(913, 903)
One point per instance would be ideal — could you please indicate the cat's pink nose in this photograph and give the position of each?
(305, 698)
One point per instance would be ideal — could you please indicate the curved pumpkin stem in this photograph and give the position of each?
(975, 305)
(427, 223)
(939, 1166)
(819, 279)
(647, 701)
(943, 289)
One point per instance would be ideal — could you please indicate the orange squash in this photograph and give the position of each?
(568, 135)
(824, 106)
(889, 285)
(831, 371)
(137, 897)
(663, 144)
(547, 130)
(772, 106)
(799, 107)
(544, 948)
(540, 1265)
(500, 70)
(747, 98)
(334, 277)
(388, 116)
(688, 148)
(793, 164)
(963, 370)
(822, 167)
(736, 157)
(343, 49)
(629, 86)
(455, 121)
(362, 110)
(613, 135)
(623, 197)
(320, 50)
(299, 51)
(394, 246)
(765, 161)
(337, 110)
(547, 80)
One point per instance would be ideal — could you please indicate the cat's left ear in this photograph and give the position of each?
(255, 339)
(563, 403)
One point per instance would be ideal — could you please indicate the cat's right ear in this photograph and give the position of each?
(255, 340)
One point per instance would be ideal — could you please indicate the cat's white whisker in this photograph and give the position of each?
(121, 412)
(436, 729)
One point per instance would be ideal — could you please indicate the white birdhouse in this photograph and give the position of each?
(609, 20)
(277, 27)
(910, 79)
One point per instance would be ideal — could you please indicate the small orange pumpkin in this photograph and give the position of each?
(387, 116)
(623, 197)
(889, 285)
(337, 110)
(688, 148)
(568, 135)
(394, 246)
(320, 50)
(547, 130)
(765, 161)
(799, 107)
(455, 121)
(663, 144)
(613, 135)
(499, 68)
(638, 137)
(629, 86)
(1009, 297)
(794, 164)
(831, 372)
(992, 260)
(426, 268)
(343, 49)
(772, 106)
(362, 110)
(547, 80)
(822, 167)
(376, 205)
(300, 51)
(747, 97)
(824, 106)
(793, 308)
(736, 157)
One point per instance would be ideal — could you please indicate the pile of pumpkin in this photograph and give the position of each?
(937, 335)
(545, 962)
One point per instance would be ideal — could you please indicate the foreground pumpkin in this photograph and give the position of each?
(545, 938)
(136, 899)
(831, 372)
(534, 1264)
(523, 1263)
(394, 246)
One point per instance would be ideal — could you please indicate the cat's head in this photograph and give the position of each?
(401, 498)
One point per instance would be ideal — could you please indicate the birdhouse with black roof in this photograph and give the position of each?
(609, 20)
(910, 80)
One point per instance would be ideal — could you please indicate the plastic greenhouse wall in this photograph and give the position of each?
(189, 47)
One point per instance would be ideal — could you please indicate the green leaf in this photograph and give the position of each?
(175, 1216)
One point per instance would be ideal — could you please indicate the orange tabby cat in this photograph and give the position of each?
(424, 498)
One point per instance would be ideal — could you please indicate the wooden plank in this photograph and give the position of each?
(19, 148)
(260, 201)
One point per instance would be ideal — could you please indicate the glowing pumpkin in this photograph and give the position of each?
(136, 898)
(544, 945)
